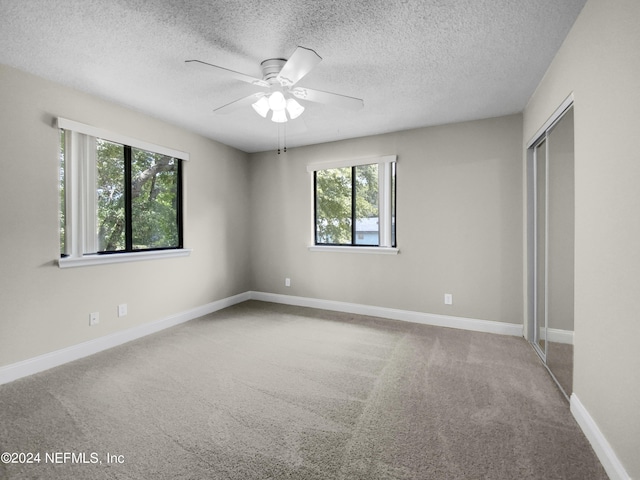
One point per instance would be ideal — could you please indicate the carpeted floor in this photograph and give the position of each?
(265, 391)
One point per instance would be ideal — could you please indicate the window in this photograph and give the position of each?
(354, 203)
(118, 196)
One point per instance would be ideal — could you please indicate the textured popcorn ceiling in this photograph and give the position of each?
(414, 62)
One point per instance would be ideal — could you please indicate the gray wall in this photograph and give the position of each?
(44, 308)
(459, 223)
(599, 63)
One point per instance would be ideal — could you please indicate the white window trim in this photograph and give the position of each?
(315, 166)
(80, 170)
(103, 259)
(385, 208)
(354, 249)
(118, 138)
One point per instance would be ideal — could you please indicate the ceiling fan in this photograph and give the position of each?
(278, 84)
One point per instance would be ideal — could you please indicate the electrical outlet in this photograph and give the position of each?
(94, 318)
(287, 282)
(448, 299)
(122, 310)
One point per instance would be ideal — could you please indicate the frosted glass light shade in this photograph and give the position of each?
(261, 107)
(280, 106)
(279, 116)
(294, 108)
(277, 101)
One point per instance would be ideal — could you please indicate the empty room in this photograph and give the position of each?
(314, 240)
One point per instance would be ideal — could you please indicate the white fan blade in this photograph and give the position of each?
(299, 64)
(237, 75)
(240, 103)
(335, 99)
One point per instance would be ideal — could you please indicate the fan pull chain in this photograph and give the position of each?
(278, 126)
(284, 137)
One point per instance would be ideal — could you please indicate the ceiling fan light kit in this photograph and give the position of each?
(279, 76)
(279, 116)
(261, 107)
(279, 105)
(294, 108)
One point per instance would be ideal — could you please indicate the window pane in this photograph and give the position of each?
(333, 206)
(366, 208)
(154, 200)
(110, 196)
(61, 183)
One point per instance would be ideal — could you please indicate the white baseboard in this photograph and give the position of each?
(560, 336)
(394, 314)
(600, 445)
(46, 361)
(40, 363)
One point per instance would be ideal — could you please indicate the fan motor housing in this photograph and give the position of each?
(271, 68)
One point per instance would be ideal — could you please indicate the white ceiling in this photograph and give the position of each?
(414, 62)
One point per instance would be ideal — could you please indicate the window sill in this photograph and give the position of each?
(336, 248)
(88, 260)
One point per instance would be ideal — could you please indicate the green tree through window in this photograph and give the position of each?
(154, 200)
(110, 191)
(136, 199)
(347, 206)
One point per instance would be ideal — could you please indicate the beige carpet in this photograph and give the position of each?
(264, 391)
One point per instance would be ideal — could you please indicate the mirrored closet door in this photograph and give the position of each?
(551, 247)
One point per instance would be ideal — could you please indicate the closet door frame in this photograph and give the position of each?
(540, 327)
(532, 330)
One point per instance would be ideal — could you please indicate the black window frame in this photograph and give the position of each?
(128, 208)
(128, 204)
(393, 189)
